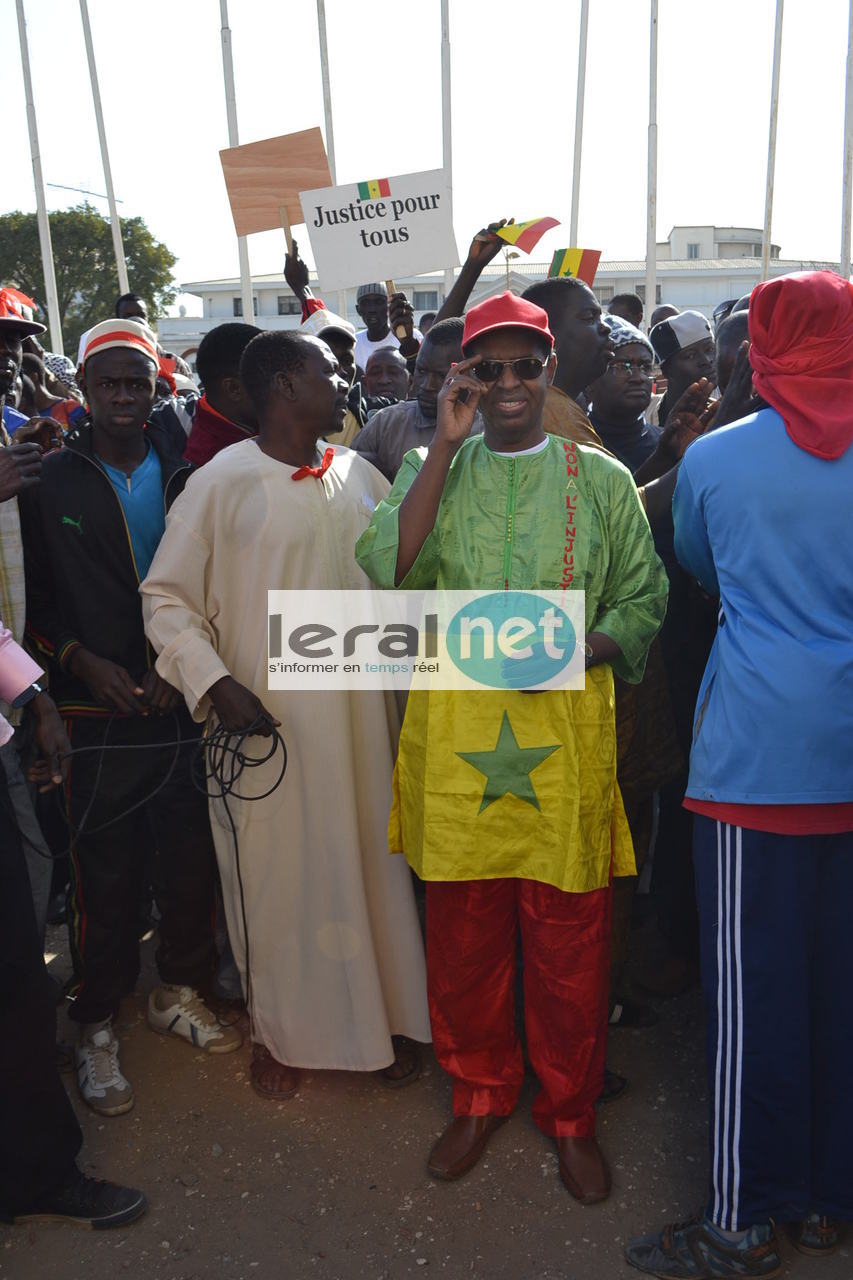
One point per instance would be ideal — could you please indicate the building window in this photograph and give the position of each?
(603, 292)
(640, 290)
(425, 300)
(756, 251)
(288, 305)
(693, 251)
(238, 306)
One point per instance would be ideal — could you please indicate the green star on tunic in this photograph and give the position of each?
(507, 769)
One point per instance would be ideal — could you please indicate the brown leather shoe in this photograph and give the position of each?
(461, 1145)
(583, 1170)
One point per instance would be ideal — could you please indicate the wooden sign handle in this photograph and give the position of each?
(288, 235)
(400, 331)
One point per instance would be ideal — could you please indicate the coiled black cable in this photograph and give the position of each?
(219, 762)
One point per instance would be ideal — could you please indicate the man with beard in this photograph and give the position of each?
(329, 947)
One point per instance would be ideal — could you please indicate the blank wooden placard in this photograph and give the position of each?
(264, 177)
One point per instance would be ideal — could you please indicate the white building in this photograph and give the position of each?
(697, 267)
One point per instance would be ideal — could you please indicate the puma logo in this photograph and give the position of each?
(75, 524)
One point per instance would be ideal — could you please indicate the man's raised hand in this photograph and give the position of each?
(486, 245)
(457, 403)
(296, 272)
(400, 313)
(689, 418)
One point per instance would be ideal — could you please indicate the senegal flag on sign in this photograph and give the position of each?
(373, 189)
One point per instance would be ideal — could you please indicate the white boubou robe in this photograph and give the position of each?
(336, 954)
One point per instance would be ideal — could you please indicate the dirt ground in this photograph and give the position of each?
(332, 1185)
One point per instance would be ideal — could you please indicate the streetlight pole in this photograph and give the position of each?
(771, 142)
(38, 181)
(234, 141)
(579, 104)
(652, 194)
(115, 223)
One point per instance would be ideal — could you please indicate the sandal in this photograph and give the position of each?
(695, 1251)
(817, 1236)
(264, 1064)
(407, 1064)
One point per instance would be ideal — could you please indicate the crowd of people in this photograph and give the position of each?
(378, 879)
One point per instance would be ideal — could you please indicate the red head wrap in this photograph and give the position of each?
(801, 332)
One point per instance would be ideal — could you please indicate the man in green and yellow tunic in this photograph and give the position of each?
(506, 804)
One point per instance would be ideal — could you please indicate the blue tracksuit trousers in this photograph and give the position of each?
(776, 923)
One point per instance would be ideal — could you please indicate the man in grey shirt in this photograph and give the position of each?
(393, 431)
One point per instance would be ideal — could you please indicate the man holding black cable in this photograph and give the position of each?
(90, 530)
(322, 921)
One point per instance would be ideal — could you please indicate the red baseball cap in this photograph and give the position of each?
(507, 311)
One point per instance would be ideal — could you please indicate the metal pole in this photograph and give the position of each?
(651, 220)
(771, 142)
(847, 181)
(38, 181)
(327, 91)
(446, 131)
(327, 115)
(234, 141)
(115, 224)
(576, 172)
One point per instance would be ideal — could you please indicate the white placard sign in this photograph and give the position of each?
(380, 229)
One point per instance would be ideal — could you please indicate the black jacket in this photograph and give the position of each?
(81, 580)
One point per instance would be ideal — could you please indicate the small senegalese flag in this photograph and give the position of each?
(373, 189)
(581, 263)
(526, 235)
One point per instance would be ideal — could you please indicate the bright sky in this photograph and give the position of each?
(514, 85)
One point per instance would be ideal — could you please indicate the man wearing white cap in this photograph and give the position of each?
(372, 304)
(90, 530)
(684, 345)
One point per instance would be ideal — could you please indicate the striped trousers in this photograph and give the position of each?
(776, 924)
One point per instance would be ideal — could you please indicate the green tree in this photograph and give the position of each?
(86, 277)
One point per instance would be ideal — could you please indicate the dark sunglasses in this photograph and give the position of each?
(527, 368)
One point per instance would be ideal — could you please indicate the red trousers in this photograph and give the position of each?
(471, 933)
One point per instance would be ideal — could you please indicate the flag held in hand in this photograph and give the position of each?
(526, 235)
(581, 263)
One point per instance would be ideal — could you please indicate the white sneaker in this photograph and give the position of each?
(180, 1011)
(102, 1086)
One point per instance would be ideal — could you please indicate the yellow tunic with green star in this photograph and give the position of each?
(494, 784)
